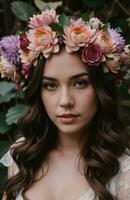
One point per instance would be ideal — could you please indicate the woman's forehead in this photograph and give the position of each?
(65, 64)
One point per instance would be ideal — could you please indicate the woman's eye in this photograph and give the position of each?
(81, 83)
(49, 86)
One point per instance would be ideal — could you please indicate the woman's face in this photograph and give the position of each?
(66, 89)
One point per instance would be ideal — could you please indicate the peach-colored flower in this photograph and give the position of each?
(114, 63)
(6, 68)
(28, 57)
(106, 43)
(44, 40)
(77, 35)
(125, 55)
(45, 18)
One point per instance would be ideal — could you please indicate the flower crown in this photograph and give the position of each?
(100, 45)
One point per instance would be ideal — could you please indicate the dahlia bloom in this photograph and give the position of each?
(28, 57)
(44, 40)
(119, 40)
(77, 35)
(114, 63)
(106, 42)
(9, 48)
(45, 18)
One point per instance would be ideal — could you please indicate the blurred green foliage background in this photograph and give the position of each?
(13, 18)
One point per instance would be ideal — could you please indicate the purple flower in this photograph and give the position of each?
(9, 47)
(119, 40)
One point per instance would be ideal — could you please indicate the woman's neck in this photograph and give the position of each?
(68, 143)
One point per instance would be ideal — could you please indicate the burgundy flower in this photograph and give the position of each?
(92, 54)
(25, 70)
(24, 42)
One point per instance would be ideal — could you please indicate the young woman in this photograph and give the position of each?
(73, 145)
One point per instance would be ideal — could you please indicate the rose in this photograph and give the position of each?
(92, 54)
(24, 42)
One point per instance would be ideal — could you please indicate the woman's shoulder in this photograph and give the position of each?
(125, 162)
(120, 185)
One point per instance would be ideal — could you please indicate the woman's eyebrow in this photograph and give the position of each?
(71, 78)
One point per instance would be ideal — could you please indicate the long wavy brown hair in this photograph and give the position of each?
(106, 138)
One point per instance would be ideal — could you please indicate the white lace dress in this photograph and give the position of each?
(119, 185)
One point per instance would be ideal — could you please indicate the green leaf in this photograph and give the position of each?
(64, 20)
(22, 10)
(106, 26)
(14, 113)
(5, 87)
(119, 30)
(57, 28)
(41, 4)
(85, 16)
(3, 125)
(7, 97)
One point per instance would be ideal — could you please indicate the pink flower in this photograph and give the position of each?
(45, 18)
(92, 54)
(44, 40)
(113, 64)
(24, 42)
(106, 42)
(77, 35)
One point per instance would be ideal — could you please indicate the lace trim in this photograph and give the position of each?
(89, 195)
(123, 182)
(19, 197)
(7, 159)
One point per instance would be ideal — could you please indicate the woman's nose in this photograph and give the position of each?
(66, 99)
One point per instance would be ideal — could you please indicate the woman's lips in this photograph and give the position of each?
(68, 118)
